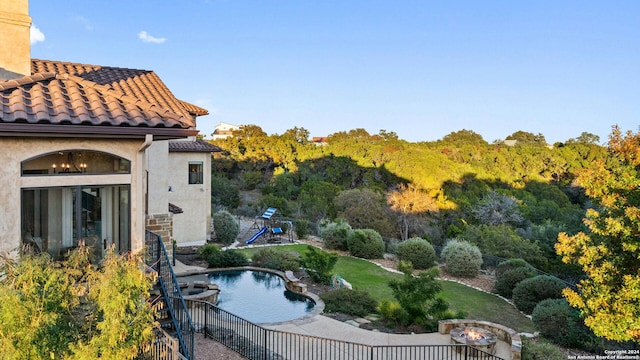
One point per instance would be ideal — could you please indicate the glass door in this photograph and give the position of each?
(55, 220)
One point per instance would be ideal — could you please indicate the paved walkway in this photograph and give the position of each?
(324, 327)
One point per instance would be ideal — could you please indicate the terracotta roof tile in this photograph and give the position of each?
(142, 84)
(194, 109)
(64, 99)
(192, 146)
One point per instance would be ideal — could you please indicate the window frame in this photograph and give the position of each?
(196, 177)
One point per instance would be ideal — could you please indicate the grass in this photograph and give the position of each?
(482, 306)
(364, 275)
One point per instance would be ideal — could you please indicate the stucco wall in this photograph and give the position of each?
(159, 175)
(194, 224)
(14, 36)
(16, 150)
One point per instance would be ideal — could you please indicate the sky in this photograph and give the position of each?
(422, 69)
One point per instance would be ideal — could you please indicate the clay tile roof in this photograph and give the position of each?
(47, 98)
(192, 146)
(175, 209)
(193, 109)
(142, 84)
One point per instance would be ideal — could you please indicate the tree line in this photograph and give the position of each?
(570, 208)
(510, 199)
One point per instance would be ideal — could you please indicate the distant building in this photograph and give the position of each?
(223, 130)
(319, 140)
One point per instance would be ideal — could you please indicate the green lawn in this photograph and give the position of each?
(482, 306)
(364, 275)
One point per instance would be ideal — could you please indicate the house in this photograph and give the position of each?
(223, 130)
(320, 140)
(94, 153)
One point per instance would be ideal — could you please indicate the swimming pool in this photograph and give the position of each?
(259, 296)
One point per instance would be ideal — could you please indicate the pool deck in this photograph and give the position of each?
(322, 326)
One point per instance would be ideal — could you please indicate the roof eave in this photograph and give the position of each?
(85, 131)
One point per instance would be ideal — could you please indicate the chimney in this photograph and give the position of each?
(15, 46)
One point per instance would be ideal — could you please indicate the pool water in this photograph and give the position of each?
(259, 296)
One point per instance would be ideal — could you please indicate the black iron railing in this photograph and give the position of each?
(158, 259)
(257, 343)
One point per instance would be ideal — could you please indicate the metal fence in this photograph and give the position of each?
(158, 259)
(257, 343)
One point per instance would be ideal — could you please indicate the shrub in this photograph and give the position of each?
(319, 264)
(512, 264)
(541, 351)
(351, 302)
(529, 292)
(391, 311)
(391, 245)
(301, 227)
(227, 258)
(462, 258)
(557, 321)
(417, 295)
(271, 259)
(225, 227)
(208, 250)
(335, 234)
(366, 244)
(418, 251)
(509, 279)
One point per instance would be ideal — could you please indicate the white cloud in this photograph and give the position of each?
(36, 35)
(142, 35)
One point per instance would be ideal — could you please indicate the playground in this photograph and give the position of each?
(267, 229)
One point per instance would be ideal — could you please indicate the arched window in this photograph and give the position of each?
(75, 162)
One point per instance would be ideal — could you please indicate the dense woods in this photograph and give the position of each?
(569, 209)
(510, 198)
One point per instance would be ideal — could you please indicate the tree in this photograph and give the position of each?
(224, 193)
(407, 202)
(585, 138)
(609, 299)
(121, 321)
(464, 137)
(75, 310)
(497, 209)
(365, 209)
(503, 241)
(527, 138)
(298, 134)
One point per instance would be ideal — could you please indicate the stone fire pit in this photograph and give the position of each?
(476, 337)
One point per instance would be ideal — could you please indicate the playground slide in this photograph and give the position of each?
(257, 235)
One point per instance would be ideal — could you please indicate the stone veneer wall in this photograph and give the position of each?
(503, 333)
(162, 225)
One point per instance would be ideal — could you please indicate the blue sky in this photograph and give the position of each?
(422, 69)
